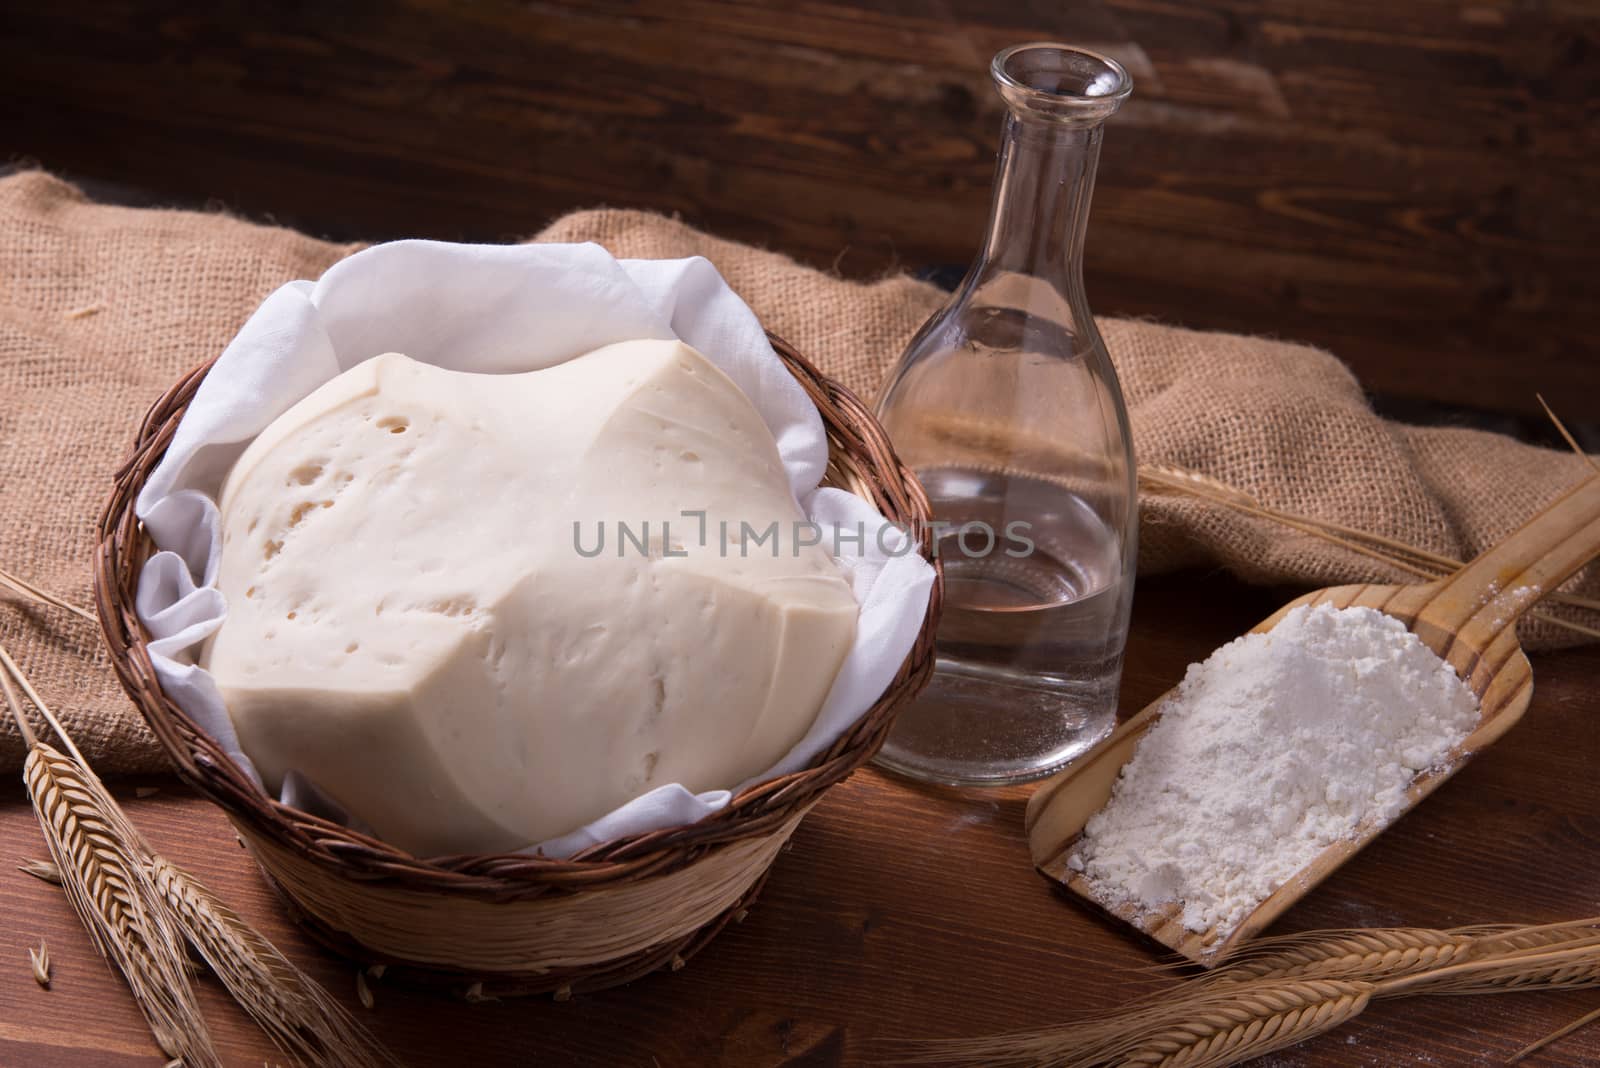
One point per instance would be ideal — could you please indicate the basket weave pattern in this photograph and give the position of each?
(515, 923)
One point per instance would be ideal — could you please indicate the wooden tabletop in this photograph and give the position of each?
(906, 912)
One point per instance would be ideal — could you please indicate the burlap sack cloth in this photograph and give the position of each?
(102, 308)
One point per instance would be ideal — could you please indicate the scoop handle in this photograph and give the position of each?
(1492, 592)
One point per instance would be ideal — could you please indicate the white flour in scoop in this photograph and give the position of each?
(1274, 747)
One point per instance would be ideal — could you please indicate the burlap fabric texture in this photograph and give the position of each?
(102, 308)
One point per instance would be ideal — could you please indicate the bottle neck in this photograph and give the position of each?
(1043, 182)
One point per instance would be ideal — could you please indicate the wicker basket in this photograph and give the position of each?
(514, 924)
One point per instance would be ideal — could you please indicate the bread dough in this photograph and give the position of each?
(413, 627)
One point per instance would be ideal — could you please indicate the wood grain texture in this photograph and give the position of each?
(905, 912)
(1409, 184)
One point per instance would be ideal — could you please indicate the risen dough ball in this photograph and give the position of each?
(412, 626)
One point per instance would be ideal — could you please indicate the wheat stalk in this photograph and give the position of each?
(1557, 966)
(1420, 562)
(1022, 448)
(1566, 434)
(34, 593)
(1253, 1025)
(1416, 562)
(115, 900)
(1292, 988)
(1510, 939)
(152, 907)
(1380, 952)
(1561, 1032)
(300, 1016)
(1388, 952)
(91, 845)
(1202, 1029)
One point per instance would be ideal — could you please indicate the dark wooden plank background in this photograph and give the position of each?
(1411, 184)
(906, 912)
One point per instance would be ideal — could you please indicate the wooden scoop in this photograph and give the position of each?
(1468, 618)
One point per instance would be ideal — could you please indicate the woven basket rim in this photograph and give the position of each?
(861, 459)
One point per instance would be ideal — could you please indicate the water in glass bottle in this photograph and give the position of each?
(1007, 407)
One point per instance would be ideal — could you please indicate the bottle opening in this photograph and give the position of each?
(1061, 82)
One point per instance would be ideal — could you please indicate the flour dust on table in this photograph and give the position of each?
(1277, 745)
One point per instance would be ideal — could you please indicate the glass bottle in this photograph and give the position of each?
(1007, 407)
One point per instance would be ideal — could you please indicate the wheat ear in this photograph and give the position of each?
(1200, 1030)
(1380, 952)
(1560, 965)
(299, 1015)
(1255, 1024)
(92, 847)
(1389, 953)
(1293, 987)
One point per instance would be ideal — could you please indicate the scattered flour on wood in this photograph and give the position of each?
(1276, 746)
